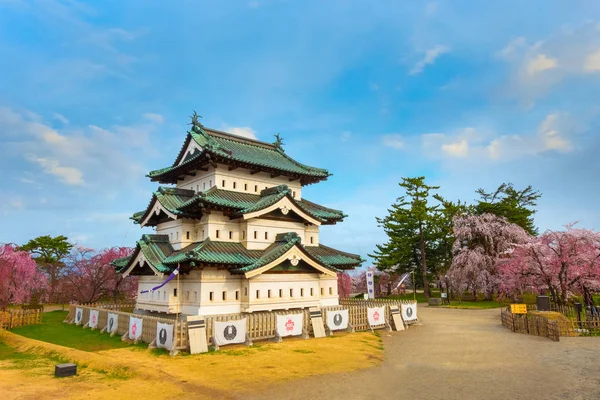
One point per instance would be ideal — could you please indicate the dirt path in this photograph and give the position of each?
(462, 354)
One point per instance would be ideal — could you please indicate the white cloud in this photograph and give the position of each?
(592, 62)
(69, 175)
(159, 119)
(552, 138)
(394, 141)
(60, 118)
(458, 149)
(540, 63)
(243, 131)
(512, 48)
(429, 58)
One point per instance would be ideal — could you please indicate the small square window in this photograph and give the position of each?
(330, 290)
(195, 297)
(301, 292)
(312, 240)
(245, 187)
(224, 295)
(234, 185)
(255, 235)
(269, 293)
(322, 291)
(237, 294)
(243, 235)
(211, 296)
(187, 235)
(223, 183)
(266, 235)
(312, 292)
(204, 185)
(256, 188)
(230, 235)
(175, 292)
(258, 294)
(246, 291)
(294, 193)
(217, 234)
(291, 292)
(280, 292)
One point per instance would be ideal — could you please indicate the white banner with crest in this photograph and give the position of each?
(409, 312)
(164, 336)
(230, 332)
(337, 320)
(112, 323)
(376, 315)
(135, 328)
(289, 325)
(93, 322)
(78, 315)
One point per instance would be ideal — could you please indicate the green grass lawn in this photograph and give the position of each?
(481, 304)
(52, 330)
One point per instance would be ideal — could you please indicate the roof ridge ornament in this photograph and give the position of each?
(196, 120)
(278, 142)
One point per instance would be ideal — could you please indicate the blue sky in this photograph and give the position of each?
(468, 93)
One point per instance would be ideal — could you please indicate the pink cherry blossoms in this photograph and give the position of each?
(19, 277)
(481, 240)
(559, 262)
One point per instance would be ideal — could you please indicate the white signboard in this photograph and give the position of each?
(78, 315)
(230, 332)
(93, 322)
(113, 323)
(337, 320)
(409, 312)
(289, 325)
(164, 336)
(371, 284)
(376, 315)
(135, 328)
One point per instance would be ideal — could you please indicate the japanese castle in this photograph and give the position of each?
(238, 230)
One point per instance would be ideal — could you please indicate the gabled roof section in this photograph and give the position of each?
(243, 204)
(230, 149)
(155, 255)
(335, 258)
(167, 200)
(150, 249)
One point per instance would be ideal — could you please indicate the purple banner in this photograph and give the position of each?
(173, 275)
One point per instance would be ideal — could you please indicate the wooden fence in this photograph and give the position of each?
(148, 324)
(15, 318)
(530, 324)
(259, 325)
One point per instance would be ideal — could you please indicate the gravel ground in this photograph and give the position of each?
(461, 354)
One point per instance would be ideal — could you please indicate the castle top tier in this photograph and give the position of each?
(205, 147)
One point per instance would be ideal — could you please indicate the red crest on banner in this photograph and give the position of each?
(376, 316)
(289, 325)
(134, 328)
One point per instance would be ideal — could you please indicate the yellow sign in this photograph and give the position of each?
(518, 308)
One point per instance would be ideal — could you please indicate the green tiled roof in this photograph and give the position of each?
(155, 249)
(222, 147)
(185, 203)
(120, 264)
(159, 252)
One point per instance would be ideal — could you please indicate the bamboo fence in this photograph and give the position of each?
(15, 318)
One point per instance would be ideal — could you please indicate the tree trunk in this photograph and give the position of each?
(423, 262)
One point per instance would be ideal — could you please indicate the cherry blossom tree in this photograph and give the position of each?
(480, 242)
(90, 277)
(561, 262)
(20, 280)
(344, 284)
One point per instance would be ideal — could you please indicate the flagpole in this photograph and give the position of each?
(414, 286)
(177, 325)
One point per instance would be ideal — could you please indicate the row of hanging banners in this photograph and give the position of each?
(165, 333)
(235, 332)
